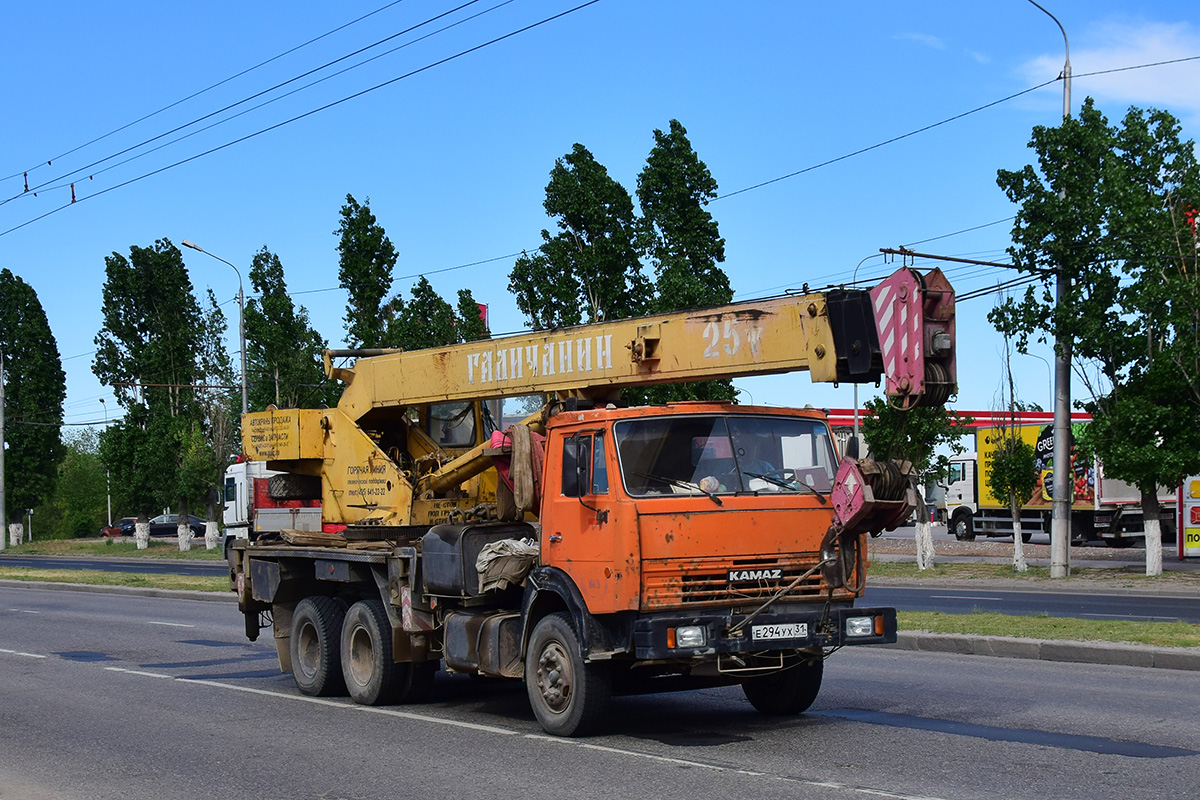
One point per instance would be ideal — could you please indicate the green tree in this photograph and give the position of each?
(149, 351)
(1101, 210)
(683, 244)
(589, 270)
(1012, 473)
(471, 325)
(283, 350)
(34, 390)
(678, 234)
(367, 257)
(922, 436)
(427, 320)
(77, 507)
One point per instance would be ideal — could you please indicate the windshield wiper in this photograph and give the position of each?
(793, 485)
(681, 484)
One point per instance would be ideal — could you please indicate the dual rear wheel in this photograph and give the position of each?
(338, 648)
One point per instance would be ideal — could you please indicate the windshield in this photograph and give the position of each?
(720, 454)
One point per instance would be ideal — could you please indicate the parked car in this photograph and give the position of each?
(168, 525)
(122, 527)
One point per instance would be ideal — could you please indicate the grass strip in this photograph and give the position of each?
(116, 547)
(1131, 575)
(95, 577)
(1158, 634)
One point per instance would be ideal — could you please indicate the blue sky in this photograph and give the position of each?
(455, 156)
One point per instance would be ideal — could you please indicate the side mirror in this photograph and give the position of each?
(852, 448)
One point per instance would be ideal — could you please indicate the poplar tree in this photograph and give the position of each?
(34, 390)
(148, 351)
(366, 259)
(283, 349)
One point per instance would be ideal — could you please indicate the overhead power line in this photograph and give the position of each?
(194, 95)
(310, 113)
(84, 171)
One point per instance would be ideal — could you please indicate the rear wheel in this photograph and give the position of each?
(372, 676)
(315, 634)
(569, 696)
(787, 692)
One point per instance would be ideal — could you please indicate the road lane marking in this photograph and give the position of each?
(24, 611)
(19, 653)
(169, 624)
(266, 692)
(439, 720)
(964, 597)
(143, 673)
(348, 705)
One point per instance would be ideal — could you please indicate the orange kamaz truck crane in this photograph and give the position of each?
(592, 548)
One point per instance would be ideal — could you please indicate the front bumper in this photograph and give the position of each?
(657, 636)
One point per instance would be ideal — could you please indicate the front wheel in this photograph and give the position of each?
(787, 692)
(569, 696)
(961, 527)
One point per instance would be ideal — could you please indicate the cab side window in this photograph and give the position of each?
(584, 467)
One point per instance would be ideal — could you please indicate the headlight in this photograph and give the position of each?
(860, 626)
(690, 636)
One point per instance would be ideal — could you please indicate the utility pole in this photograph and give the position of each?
(1060, 526)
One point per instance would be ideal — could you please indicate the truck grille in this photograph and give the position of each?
(695, 582)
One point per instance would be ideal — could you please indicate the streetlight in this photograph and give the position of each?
(1049, 375)
(241, 314)
(107, 474)
(1060, 529)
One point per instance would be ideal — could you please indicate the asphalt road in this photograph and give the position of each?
(145, 566)
(109, 696)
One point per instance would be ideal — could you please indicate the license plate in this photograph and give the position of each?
(792, 630)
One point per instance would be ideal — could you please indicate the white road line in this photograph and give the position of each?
(439, 720)
(143, 673)
(19, 653)
(619, 751)
(170, 624)
(283, 695)
(24, 611)
(964, 597)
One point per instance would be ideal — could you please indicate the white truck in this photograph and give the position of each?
(258, 499)
(1102, 508)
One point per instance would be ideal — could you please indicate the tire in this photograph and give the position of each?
(372, 677)
(1026, 537)
(292, 486)
(569, 697)
(315, 636)
(787, 692)
(961, 527)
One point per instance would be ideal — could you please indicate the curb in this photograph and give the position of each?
(1048, 650)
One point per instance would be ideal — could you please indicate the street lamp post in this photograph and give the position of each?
(1060, 529)
(241, 314)
(107, 473)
